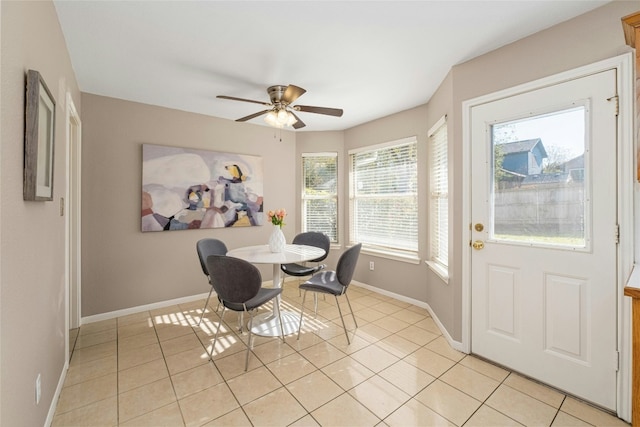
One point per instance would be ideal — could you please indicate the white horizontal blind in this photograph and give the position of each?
(439, 194)
(384, 196)
(319, 194)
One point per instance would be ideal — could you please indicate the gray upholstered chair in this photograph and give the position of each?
(238, 284)
(334, 283)
(309, 238)
(206, 247)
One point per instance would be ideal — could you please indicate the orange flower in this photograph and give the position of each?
(277, 217)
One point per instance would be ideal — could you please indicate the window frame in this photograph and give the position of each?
(438, 241)
(396, 253)
(304, 197)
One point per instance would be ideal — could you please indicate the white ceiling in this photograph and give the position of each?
(371, 58)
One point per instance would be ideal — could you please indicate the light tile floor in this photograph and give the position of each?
(152, 369)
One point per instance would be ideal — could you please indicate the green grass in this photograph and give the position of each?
(546, 240)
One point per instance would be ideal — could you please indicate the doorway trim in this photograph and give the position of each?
(625, 204)
(72, 221)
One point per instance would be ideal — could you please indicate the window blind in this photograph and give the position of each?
(320, 195)
(439, 194)
(383, 196)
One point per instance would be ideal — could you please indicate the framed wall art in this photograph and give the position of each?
(40, 112)
(185, 188)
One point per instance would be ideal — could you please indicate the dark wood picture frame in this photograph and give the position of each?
(39, 139)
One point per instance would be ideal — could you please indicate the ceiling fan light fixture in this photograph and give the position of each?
(272, 119)
(280, 112)
(291, 119)
(280, 118)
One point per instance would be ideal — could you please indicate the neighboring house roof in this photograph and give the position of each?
(575, 163)
(512, 173)
(523, 146)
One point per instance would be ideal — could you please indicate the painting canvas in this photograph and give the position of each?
(185, 189)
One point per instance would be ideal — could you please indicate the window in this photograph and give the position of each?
(319, 194)
(439, 199)
(383, 198)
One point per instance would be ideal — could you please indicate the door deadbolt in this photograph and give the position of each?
(478, 244)
(479, 227)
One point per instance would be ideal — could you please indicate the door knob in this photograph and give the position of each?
(478, 244)
(479, 227)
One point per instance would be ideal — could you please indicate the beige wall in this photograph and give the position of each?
(580, 41)
(153, 267)
(586, 39)
(123, 267)
(32, 245)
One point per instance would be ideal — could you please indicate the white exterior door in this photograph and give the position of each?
(543, 267)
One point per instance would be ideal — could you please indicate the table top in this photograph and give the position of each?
(261, 254)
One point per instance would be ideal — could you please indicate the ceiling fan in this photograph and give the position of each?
(281, 113)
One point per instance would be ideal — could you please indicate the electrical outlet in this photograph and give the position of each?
(38, 389)
(371, 265)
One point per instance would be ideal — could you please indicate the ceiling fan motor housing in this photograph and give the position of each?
(275, 94)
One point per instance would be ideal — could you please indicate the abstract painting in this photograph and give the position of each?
(186, 189)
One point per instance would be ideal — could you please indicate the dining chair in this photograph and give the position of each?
(238, 284)
(334, 283)
(206, 247)
(309, 238)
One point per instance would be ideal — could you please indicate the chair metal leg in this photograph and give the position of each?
(246, 361)
(240, 320)
(342, 318)
(205, 306)
(215, 337)
(352, 315)
(315, 304)
(281, 325)
(301, 311)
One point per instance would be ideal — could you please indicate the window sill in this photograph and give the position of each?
(440, 271)
(396, 256)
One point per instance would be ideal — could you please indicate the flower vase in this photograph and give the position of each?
(276, 240)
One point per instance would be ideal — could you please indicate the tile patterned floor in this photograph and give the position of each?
(152, 369)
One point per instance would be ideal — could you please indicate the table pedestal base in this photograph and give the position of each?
(268, 325)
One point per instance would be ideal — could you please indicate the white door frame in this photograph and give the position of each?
(72, 220)
(626, 166)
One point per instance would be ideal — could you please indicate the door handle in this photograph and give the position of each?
(478, 245)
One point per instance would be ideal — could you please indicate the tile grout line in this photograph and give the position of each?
(220, 319)
(401, 356)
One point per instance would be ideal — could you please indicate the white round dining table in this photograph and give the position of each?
(266, 324)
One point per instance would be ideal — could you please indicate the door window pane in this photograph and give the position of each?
(539, 179)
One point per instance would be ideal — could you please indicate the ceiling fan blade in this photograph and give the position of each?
(299, 123)
(319, 110)
(233, 98)
(254, 115)
(291, 93)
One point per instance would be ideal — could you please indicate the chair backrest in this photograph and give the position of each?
(314, 238)
(234, 280)
(206, 247)
(347, 264)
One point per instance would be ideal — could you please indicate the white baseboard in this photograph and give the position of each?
(152, 306)
(138, 309)
(457, 345)
(56, 395)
